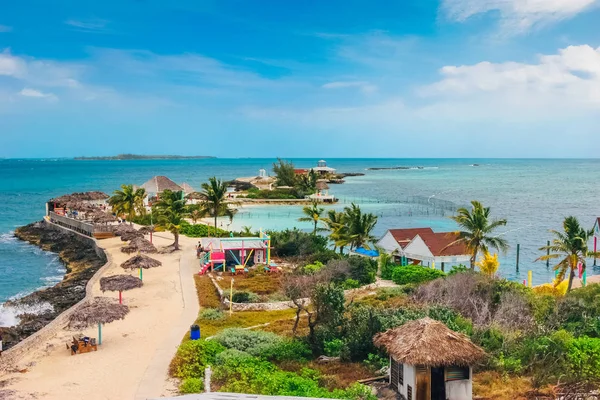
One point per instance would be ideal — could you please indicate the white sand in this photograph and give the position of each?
(133, 359)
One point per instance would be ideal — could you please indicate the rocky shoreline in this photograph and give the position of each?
(81, 262)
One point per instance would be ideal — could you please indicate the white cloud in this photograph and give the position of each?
(569, 79)
(11, 65)
(517, 15)
(5, 28)
(364, 86)
(27, 92)
(91, 25)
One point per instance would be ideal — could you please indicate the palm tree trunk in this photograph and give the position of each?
(315, 228)
(571, 276)
(176, 243)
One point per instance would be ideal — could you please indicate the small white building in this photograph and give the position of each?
(429, 361)
(323, 169)
(596, 236)
(424, 246)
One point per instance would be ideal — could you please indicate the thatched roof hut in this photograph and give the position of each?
(80, 196)
(159, 184)
(121, 228)
(80, 206)
(429, 342)
(130, 235)
(139, 244)
(120, 283)
(187, 188)
(322, 185)
(141, 261)
(100, 310)
(100, 217)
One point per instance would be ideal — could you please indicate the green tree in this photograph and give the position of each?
(312, 214)
(284, 173)
(214, 197)
(338, 231)
(476, 230)
(571, 246)
(171, 211)
(196, 212)
(128, 201)
(359, 226)
(307, 183)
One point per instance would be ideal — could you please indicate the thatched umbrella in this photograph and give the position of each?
(430, 343)
(101, 217)
(141, 261)
(146, 229)
(322, 185)
(130, 235)
(81, 206)
(120, 283)
(121, 228)
(100, 310)
(139, 245)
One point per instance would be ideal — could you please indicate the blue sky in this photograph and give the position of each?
(403, 78)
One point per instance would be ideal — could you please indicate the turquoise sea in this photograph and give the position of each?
(534, 195)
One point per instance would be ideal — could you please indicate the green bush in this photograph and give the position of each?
(250, 341)
(546, 357)
(323, 256)
(285, 350)
(310, 269)
(387, 270)
(363, 269)
(211, 314)
(415, 274)
(245, 297)
(509, 365)
(333, 348)
(294, 243)
(200, 230)
(490, 339)
(231, 355)
(356, 392)
(459, 269)
(351, 284)
(191, 385)
(583, 355)
(193, 356)
(452, 319)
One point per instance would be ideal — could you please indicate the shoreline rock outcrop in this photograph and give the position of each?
(81, 261)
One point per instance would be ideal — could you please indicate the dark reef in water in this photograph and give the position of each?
(81, 261)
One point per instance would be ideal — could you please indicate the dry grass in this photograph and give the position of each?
(241, 319)
(208, 297)
(257, 282)
(284, 327)
(493, 386)
(334, 375)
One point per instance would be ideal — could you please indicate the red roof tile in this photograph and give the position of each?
(404, 236)
(439, 244)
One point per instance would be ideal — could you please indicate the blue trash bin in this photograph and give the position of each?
(195, 332)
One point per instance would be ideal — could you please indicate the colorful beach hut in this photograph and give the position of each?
(244, 252)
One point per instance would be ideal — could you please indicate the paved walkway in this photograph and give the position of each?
(153, 382)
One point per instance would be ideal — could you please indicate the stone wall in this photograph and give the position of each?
(38, 341)
(277, 305)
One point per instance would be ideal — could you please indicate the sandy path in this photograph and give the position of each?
(134, 356)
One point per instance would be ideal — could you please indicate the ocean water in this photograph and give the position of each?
(534, 195)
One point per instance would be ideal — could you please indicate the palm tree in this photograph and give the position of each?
(128, 201)
(171, 211)
(476, 230)
(312, 214)
(359, 227)
(335, 223)
(214, 195)
(196, 212)
(570, 245)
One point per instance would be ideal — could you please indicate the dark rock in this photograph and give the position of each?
(81, 262)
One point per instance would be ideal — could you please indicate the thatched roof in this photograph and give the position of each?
(121, 228)
(101, 217)
(130, 235)
(100, 310)
(80, 206)
(195, 196)
(322, 185)
(158, 184)
(120, 283)
(139, 244)
(430, 343)
(187, 188)
(146, 229)
(80, 196)
(141, 261)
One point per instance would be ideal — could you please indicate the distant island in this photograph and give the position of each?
(143, 157)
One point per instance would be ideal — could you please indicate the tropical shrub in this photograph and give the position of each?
(294, 242)
(286, 350)
(191, 385)
(245, 297)
(313, 268)
(459, 269)
(387, 269)
(231, 354)
(193, 356)
(333, 348)
(211, 314)
(415, 274)
(351, 284)
(200, 230)
(363, 269)
(583, 355)
(251, 341)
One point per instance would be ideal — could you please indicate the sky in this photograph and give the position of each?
(309, 78)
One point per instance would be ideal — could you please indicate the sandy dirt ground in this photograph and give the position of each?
(133, 359)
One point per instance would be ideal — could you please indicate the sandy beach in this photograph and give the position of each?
(133, 359)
